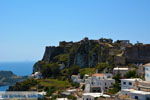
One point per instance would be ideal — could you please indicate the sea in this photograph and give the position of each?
(18, 68)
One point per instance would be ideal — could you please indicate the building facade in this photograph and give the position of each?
(128, 83)
(147, 72)
(99, 82)
(120, 71)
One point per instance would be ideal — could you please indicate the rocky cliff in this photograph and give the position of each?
(138, 54)
(88, 53)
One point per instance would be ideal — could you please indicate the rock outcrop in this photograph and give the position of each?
(85, 53)
(138, 54)
(8, 78)
(88, 53)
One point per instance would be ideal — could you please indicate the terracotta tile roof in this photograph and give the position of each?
(98, 74)
(148, 64)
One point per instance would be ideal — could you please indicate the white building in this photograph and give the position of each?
(143, 86)
(99, 82)
(61, 99)
(121, 71)
(76, 78)
(92, 96)
(128, 83)
(147, 72)
(36, 75)
(69, 92)
(136, 94)
(140, 95)
(41, 94)
(136, 89)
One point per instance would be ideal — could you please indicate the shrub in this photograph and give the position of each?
(131, 74)
(101, 66)
(50, 70)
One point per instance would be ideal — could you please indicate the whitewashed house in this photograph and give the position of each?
(136, 94)
(99, 82)
(36, 75)
(147, 72)
(136, 89)
(41, 94)
(93, 96)
(76, 78)
(140, 95)
(121, 71)
(86, 76)
(128, 83)
(90, 96)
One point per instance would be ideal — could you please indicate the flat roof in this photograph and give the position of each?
(117, 68)
(136, 91)
(147, 82)
(133, 79)
(95, 94)
(140, 92)
(72, 90)
(92, 94)
(61, 99)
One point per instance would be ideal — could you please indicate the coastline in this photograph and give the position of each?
(22, 69)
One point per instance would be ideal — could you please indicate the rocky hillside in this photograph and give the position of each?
(138, 54)
(88, 53)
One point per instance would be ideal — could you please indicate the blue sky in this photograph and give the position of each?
(27, 26)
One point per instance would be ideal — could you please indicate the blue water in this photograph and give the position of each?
(4, 88)
(18, 68)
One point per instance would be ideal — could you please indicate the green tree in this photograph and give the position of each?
(116, 88)
(24, 85)
(76, 85)
(117, 78)
(101, 66)
(88, 71)
(74, 70)
(50, 90)
(131, 74)
(50, 70)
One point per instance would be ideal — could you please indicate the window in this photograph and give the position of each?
(139, 89)
(130, 83)
(136, 97)
(148, 98)
(146, 69)
(92, 83)
(108, 77)
(124, 83)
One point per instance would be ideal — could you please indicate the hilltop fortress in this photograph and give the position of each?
(88, 53)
